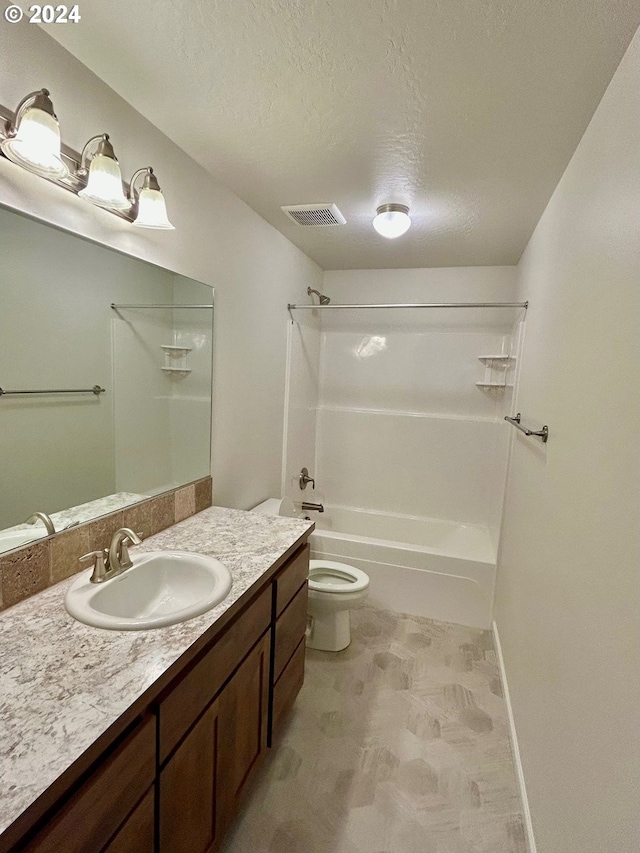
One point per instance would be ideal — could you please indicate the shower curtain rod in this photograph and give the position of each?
(291, 306)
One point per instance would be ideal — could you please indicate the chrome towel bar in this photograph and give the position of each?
(541, 433)
(116, 306)
(95, 390)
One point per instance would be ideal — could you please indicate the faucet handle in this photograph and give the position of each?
(100, 564)
(304, 478)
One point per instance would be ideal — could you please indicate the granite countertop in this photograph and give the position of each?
(63, 684)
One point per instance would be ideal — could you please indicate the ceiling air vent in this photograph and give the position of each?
(315, 215)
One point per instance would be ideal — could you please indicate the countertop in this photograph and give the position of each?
(63, 684)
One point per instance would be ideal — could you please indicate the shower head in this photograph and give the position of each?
(324, 300)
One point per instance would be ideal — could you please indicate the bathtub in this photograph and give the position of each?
(421, 566)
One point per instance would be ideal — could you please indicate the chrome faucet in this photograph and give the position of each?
(44, 518)
(112, 561)
(119, 558)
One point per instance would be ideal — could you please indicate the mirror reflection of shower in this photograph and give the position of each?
(324, 300)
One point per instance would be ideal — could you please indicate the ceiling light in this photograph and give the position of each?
(149, 201)
(33, 137)
(392, 220)
(104, 184)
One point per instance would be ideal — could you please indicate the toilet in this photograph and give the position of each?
(333, 589)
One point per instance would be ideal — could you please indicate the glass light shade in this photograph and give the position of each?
(392, 223)
(36, 145)
(104, 186)
(152, 210)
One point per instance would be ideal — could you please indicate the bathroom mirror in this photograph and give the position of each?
(119, 398)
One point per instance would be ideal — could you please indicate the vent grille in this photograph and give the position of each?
(314, 215)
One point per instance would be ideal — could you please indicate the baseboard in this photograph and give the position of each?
(528, 826)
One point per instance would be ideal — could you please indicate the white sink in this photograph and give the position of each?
(15, 538)
(161, 588)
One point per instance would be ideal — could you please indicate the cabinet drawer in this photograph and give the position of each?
(288, 686)
(98, 808)
(290, 629)
(289, 580)
(190, 696)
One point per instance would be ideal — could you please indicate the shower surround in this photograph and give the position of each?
(408, 451)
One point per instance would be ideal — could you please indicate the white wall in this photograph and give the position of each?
(568, 584)
(218, 240)
(402, 426)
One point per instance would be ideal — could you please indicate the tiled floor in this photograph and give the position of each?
(399, 744)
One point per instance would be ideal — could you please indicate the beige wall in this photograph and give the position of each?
(567, 599)
(218, 240)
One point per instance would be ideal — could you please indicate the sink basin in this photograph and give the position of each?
(161, 588)
(15, 538)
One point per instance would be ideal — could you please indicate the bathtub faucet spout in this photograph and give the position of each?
(310, 506)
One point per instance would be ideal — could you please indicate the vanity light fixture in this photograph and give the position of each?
(148, 203)
(104, 182)
(33, 137)
(392, 220)
(30, 137)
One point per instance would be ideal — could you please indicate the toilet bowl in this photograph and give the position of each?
(333, 589)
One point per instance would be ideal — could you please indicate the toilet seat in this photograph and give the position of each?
(333, 578)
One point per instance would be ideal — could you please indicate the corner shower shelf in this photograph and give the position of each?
(500, 359)
(493, 385)
(496, 367)
(175, 350)
(175, 360)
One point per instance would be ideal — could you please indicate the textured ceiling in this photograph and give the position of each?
(466, 110)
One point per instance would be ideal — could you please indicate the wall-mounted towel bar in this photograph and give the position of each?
(541, 433)
(95, 390)
(116, 306)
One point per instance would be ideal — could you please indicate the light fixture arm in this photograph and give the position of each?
(103, 147)
(39, 99)
(150, 182)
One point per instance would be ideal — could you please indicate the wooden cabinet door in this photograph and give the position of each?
(96, 811)
(243, 722)
(137, 833)
(188, 802)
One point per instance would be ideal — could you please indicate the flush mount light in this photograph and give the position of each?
(104, 184)
(33, 137)
(150, 206)
(392, 220)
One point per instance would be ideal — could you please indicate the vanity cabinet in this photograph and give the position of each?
(290, 624)
(188, 802)
(202, 783)
(138, 831)
(244, 716)
(175, 779)
(109, 811)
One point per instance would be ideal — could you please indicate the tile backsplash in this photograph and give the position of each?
(30, 569)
